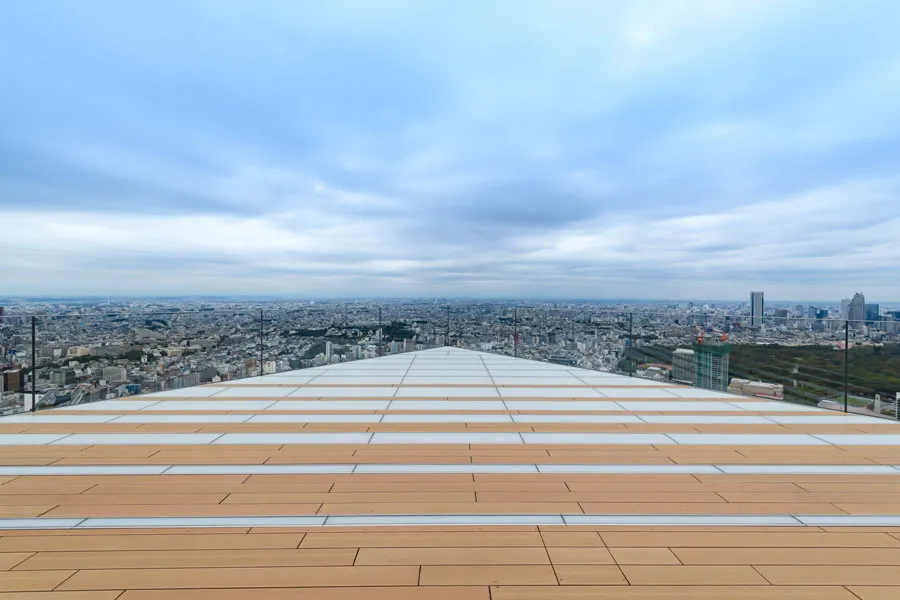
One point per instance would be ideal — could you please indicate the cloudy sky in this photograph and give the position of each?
(492, 148)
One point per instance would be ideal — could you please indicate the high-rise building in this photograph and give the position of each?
(857, 310)
(811, 312)
(757, 307)
(329, 351)
(1, 315)
(781, 316)
(872, 312)
(845, 309)
(684, 366)
(712, 365)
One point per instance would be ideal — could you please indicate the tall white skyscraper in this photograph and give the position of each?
(757, 306)
(329, 351)
(857, 310)
(845, 309)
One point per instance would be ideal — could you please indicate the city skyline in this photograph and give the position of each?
(503, 149)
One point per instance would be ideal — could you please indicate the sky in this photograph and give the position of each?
(477, 148)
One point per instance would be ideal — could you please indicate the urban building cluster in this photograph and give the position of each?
(83, 351)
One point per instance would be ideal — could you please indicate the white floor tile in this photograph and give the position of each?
(708, 419)
(640, 469)
(596, 438)
(447, 380)
(199, 522)
(42, 417)
(254, 392)
(677, 406)
(279, 379)
(829, 420)
(446, 438)
(210, 405)
(256, 469)
(360, 380)
(294, 438)
(689, 392)
(447, 392)
(771, 406)
(182, 419)
(446, 419)
(447, 405)
(808, 469)
(188, 392)
(437, 468)
(39, 523)
(635, 392)
(272, 418)
(473, 520)
(344, 392)
(110, 405)
(519, 381)
(64, 470)
(576, 419)
(850, 520)
(548, 393)
(153, 439)
(561, 405)
(28, 439)
(744, 439)
(323, 405)
(684, 520)
(862, 439)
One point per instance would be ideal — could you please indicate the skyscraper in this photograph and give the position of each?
(712, 365)
(757, 306)
(872, 313)
(845, 309)
(857, 310)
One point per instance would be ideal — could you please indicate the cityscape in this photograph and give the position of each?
(90, 350)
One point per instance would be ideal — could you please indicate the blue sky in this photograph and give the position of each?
(660, 149)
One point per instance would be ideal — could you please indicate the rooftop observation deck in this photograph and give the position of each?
(448, 475)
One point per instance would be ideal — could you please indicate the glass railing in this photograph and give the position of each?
(17, 360)
(851, 366)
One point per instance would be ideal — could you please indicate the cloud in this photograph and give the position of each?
(580, 149)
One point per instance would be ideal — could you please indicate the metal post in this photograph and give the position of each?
(846, 361)
(260, 342)
(33, 364)
(447, 342)
(515, 332)
(380, 334)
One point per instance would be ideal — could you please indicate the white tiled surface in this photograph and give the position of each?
(343, 392)
(574, 406)
(446, 392)
(522, 392)
(329, 405)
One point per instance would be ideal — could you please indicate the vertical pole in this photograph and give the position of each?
(260, 342)
(380, 334)
(516, 332)
(846, 361)
(33, 363)
(447, 342)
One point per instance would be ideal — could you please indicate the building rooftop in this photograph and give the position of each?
(448, 474)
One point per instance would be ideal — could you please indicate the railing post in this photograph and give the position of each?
(846, 362)
(447, 341)
(33, 363)
(261, 357)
